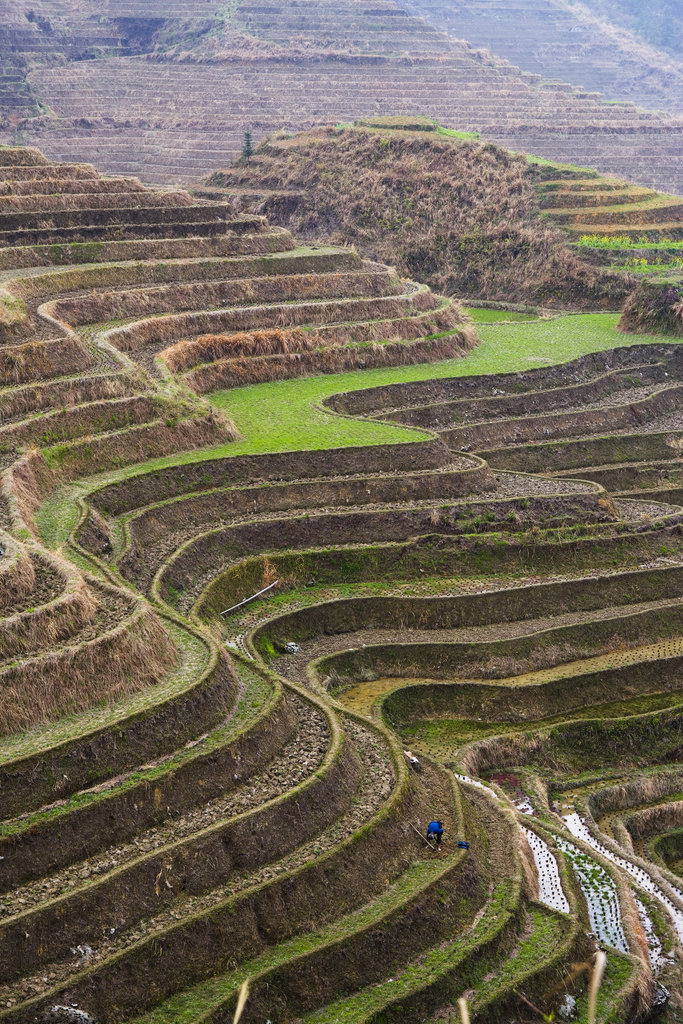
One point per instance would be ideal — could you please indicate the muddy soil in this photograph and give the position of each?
(293, 666)
(376, 784)
(297, 761)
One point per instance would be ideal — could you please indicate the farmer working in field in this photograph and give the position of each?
(435, 831)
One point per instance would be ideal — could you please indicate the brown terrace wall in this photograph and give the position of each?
(232, 373)
(148, 488)
(54, 773)
(47, 845)
(393, 396)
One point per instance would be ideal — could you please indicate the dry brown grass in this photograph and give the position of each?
(91, 455)
(21, 364)
(93, 418)
(168, 329)
(65, 185)
(211, 347)
(462, 217)
(130, 658)
(21, 156)
(232, 373)
(29, 481)
(647, 789)
(17, 575)
(48, 625)
(505, 751)
(175, 298)
(654, 820)
(63, 394)
(228, 244)
(654, 308)
(92, 201)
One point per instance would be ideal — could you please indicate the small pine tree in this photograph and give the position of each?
(247, 150)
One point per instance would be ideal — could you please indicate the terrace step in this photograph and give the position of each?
(148, 216)
(175, 811)
(178, 298)
(198, 561)
(481, 648)
(85, 417)
(659, 212)
(585, 453)
(137, 443)
(91, 202)
(406, 912)
(18, 402)
(276, 977)
(200, 111)
(41, 360)
(443, 415)
(163, 526)
(130, 222)
(192, 247)
(59, 605)
(105, 653)
(62, 184)
(624, 410)
(160, 331)
(562, 200)
(485, 964)
(589, 369)
(98, 745)
(199, 912)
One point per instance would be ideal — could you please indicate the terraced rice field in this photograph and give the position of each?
(175, 105)
(585, 204)
(270, 518)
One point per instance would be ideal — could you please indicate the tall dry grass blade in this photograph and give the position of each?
(596, 980)
(242, 1001)
(464, 1012)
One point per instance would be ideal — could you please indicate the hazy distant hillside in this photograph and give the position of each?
(659, 22)
(597, 45)
(165, 89)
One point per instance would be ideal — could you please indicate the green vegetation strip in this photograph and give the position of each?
(617, 975)
(492, 316)
(255, 697)
(441, 739)
(206, 997)
(625, 242)
(286, 415)
(431, 968)
(194, 657)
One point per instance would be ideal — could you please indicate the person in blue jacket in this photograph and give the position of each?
(435, 831)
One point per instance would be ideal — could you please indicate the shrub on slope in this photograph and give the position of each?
(655, 307)
(461, 216)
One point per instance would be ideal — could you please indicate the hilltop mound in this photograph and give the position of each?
(462, 215)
